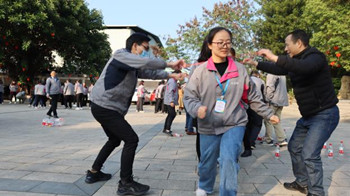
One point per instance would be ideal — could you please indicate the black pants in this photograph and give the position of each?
(252, 129)
(79, 100)
(68, 99)
(53, 108)
(170, 118)
(117, 129)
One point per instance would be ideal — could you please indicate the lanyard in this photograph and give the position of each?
(222, 88)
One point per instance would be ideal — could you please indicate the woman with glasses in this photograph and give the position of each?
(217, 94)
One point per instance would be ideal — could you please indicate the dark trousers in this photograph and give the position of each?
(53, 108)
(13, 94)
(170, 117)
(117, 129)
(252, 129)
(79, 100)
(37, 99)
(1, 99)
(68, 99)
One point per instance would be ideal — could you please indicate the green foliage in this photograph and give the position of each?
(336, 84)
(277, 19)
(330, 24)
(32, 30)
(237, 16)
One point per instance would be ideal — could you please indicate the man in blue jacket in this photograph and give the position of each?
(310, 75)
(110, 101)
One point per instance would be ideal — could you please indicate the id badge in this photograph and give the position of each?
(220, 106)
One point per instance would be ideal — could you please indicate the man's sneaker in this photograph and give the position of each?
(252, 147)
(270, 143)
(201, 192)
(132, 188)
(294, 186)
(95, 177)
(284, 143)
(168, 132)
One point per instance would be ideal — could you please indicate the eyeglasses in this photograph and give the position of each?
(222, 44)
(145, 47)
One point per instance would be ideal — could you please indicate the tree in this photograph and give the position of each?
(330, 24)
(278, 18)
(31, 30)
(235, 15)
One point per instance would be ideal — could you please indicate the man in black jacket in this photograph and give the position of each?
(311, 80)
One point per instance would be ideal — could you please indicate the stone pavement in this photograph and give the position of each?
(47, 161)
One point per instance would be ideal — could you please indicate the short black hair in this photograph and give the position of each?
(300, 34)
(137, 38)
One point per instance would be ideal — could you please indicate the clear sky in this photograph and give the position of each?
(160, 17)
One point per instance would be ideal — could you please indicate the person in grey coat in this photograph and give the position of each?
(53, 88)
(277, 97)
(171, 97)
(68, 93)
(110, 101)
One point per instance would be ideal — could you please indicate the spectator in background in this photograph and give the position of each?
(140, 96)
(13, 91)
(89, 93)
(53, 88)
(171, 98)
(277, 97)
(254, 124)
(39, 93)
(78, 89)
(68, 93)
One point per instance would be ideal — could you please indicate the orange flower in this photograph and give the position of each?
(332, 63)
(338, 55)
(338, 65)
(335, 47)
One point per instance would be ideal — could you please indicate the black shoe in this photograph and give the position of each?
(168, 132)
(49, 115)
(55, 116)
(246, 153)
(294, 186)
(252, 147)
(95, 177)
(310, 194)
(132, 188)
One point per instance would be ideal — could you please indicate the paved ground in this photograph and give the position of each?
(46, 161)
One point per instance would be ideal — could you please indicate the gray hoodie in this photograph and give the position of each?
(68, 89)
(53, 86)
(276, 90)
(39, 89)
(171, 92)
(203, 90)
(116, 84)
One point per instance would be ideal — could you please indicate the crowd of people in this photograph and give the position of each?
(225, 104)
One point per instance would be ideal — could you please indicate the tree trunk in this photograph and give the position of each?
(344, 92)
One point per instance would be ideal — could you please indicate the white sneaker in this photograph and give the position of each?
(142, 111)
(201, 192)
(77, 109)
